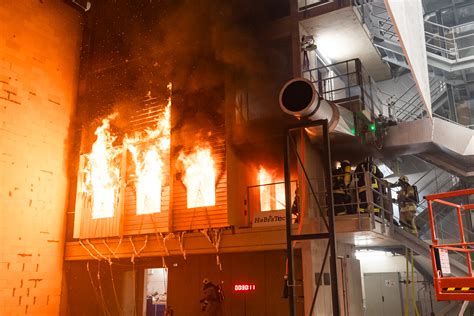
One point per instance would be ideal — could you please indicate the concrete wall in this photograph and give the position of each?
(380, 262)
(407, 17)
(39, 57)
(350, 290)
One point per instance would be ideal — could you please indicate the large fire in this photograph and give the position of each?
(149, 151)
(199, 177)
(272, 194)
(102, 169)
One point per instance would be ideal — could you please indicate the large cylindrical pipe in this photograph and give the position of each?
(299, 98)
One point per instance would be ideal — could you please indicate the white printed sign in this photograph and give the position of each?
(389, 283)
(269, 218)
(444, 260)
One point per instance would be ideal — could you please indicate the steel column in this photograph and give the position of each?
(332, 232)
(289, 241)
(330, 223)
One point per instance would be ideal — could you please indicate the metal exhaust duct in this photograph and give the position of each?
(299, 98)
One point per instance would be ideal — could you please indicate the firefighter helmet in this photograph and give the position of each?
(403, 179)
(345, 163)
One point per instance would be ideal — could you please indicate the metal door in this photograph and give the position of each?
(383, 294)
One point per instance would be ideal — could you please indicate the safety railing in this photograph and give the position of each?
(448, 286)
(269, 197)
(346, 82)
(366, 195)
(442, 181)
(304, 5)
(444, 230)
(375, 16)
(453, 43)
(414, 108)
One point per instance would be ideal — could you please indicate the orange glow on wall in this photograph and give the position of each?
(272, 194)
(199, 177)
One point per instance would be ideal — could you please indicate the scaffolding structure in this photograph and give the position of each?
(328, 218)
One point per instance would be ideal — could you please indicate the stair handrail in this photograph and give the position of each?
(435, 87)
(451, 52)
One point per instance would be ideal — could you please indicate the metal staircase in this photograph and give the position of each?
(450, 49)
(413, 108)
(422, 247)
(446, 227)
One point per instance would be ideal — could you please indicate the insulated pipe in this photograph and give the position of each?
(299, 98)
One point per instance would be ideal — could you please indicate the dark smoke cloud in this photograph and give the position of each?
(136, 46)
(132, 47)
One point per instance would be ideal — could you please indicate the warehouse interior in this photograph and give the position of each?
(236, 157)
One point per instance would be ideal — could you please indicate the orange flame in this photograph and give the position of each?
(272, 195)
(199, 177)
(103, 173)
(148, 184)
(149, 152)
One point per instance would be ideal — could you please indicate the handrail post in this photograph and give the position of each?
(390, 208)
(463, 241)
(381, 200)
(456, 51)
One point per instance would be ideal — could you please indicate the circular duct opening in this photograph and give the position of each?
(297, 95)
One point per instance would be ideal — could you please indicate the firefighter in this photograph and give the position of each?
(211, 304)
(375, 175)
(342, 178)
(407, 199)
(295, 207)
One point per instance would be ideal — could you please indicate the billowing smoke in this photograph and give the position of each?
(132, 47)
(216, 54)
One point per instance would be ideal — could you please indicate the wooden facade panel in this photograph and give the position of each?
(136, 224)
(84, 225)
(174, 214)
(203, 217)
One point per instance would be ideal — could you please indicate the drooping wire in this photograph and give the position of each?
(104, 303)
(100, 301)
(88, 251)
(98, 252)
(108, 247)
(119, 308)
(96, 295)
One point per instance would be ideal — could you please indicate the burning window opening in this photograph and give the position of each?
(199, 177)
(150, 150)
(272, 194)
(102, 174)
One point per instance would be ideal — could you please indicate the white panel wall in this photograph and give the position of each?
(407, 16)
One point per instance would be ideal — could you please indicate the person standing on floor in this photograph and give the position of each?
(375, 175)
(211, 304)
(342, 178)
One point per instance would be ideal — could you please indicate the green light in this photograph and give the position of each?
(372, 127)
(353, 131)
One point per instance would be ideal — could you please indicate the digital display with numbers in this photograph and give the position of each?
(245, 287)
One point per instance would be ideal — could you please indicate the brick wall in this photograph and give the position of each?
(39, 59)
